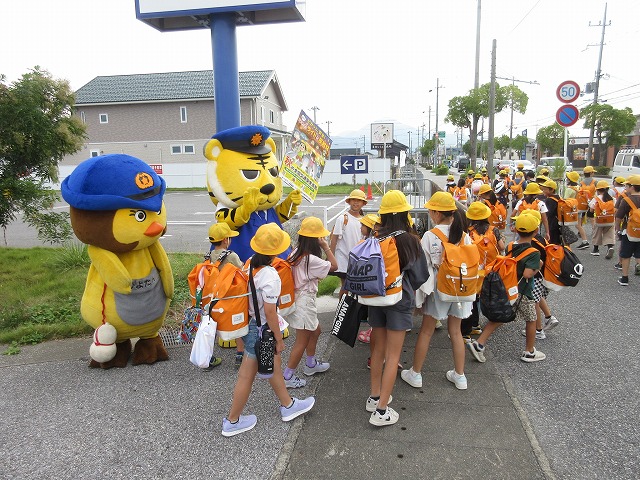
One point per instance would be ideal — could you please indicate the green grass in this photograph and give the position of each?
(41, 290)
(333, 189)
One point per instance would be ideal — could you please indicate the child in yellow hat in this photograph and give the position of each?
(346, 231)
(308, 268)
(603, 206)
(268, 242)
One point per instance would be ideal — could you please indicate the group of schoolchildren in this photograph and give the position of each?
(418, 261)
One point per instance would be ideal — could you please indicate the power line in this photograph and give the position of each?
(523, 18)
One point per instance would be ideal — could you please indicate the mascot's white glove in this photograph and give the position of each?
(103, 347)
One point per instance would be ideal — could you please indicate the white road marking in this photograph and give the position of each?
(186, 223)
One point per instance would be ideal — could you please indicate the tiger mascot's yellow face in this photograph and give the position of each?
(230, 173)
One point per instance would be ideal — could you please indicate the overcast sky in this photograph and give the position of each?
(359, 61)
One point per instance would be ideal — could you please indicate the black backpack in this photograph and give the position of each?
(494, 301)
(571, 269)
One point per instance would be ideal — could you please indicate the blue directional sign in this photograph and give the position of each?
(350, 164)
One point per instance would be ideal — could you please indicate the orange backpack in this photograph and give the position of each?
(590, 188)
(393, 276)
(487, 244)
(516, 188)
(460, 194)
(506, 266)
(498, 217)
(604, 212)
(633, 221)
(535, 205)
(582, 200)
(287, 298)
(230, 302)
(201, 279)
(457, 279)
(567, 211)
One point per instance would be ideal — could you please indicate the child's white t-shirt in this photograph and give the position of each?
(268, 286)
(348, 237)
(306, 280)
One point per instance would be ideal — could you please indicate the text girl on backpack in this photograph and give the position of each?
(268, 242)
(369, 226)
(450, 225)
(346, 231)
(527, 266)
(308, 269)
(490, 243)
(602, 205)
(390, 322)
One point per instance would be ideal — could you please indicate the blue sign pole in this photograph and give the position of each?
(226, 85)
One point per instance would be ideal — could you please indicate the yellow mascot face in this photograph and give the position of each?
(231, 173)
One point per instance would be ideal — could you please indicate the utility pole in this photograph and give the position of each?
(597, 87)
(476, 84)
(328, 122)
(513, 82)
(492, 108)
(438, 87)
(315, 109)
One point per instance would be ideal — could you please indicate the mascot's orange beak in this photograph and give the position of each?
(154, 229)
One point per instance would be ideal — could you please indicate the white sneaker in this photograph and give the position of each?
(319, 367)
(412, 378)
(460, 381)
(476, 351)
(550, 323)
(389, 417)
(529, 357)
(540, 335)
(295, 382)
(373, 404)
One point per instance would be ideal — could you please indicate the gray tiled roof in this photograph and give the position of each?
(164, 86)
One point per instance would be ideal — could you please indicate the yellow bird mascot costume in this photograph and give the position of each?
(116, 208)
(243, 182)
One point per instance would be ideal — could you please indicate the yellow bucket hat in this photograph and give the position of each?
(620, 180)
(532, 189)
(270, 239)
(550, 184)
(602, 184)
(573, 176)
(478, 176)
(544, 171)
(370, 220)
(313, 227)
(441, 202)
(478, 211)
(519, 174)
(219, 231)
(394, 201)
(535, 213)
(633, 180)
(357, 194)
(484, 189)
(527, 223)
(450, 177)
(588, 169)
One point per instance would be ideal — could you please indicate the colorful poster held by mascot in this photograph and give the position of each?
(305, 158)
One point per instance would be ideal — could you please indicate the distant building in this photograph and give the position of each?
(166, 118)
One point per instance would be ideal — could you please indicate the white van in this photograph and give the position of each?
(550, 162)
(627, 162)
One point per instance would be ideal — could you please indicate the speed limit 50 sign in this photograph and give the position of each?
(568, 91)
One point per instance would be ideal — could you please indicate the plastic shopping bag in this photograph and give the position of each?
(204, 342)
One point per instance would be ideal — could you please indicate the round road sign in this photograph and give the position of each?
(568, 91)
(567, 115)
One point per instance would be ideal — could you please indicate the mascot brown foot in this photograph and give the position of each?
(123, 352)
(149, 350)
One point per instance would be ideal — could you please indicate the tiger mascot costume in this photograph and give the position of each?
(244, 183)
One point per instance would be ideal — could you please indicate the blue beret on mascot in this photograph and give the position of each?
(244, 183)
(116, 208)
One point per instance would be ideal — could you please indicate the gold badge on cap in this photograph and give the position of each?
(256, 139)
(144, 180)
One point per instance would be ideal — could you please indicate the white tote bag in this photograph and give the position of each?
(204, 342)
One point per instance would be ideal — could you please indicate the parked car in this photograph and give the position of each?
(627, 162)
(551, 161)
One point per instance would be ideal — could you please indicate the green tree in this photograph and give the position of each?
(550, 140)
(501, 144)
(519, 144)
(611, 126)
(428, 148)
(465, 111)
(36, 132)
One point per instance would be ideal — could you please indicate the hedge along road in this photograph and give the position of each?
(189, 215)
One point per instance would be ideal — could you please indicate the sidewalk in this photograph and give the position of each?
(163, 421)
